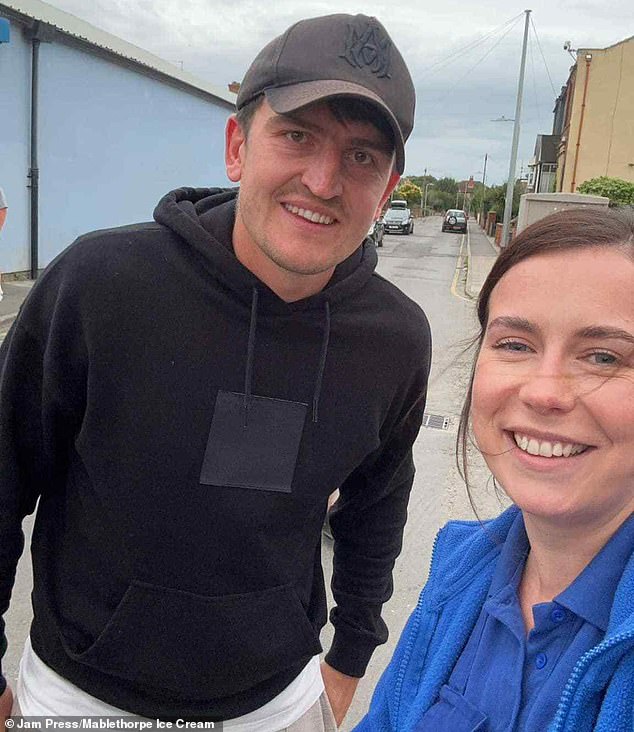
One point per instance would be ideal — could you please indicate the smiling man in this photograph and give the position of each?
(183, 446)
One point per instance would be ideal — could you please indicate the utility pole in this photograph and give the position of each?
(510, 186)
(484, 188)
(427, 185)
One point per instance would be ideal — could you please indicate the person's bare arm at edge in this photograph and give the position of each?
(6, 704)
(340, 690)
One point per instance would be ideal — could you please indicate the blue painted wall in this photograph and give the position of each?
(112, 141)
(15, 103)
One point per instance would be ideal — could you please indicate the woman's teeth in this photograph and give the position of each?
(547, 449)
(305, 213)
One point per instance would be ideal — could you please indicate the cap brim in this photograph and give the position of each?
(285, 99)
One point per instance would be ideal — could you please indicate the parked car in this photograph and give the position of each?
(398, 219)
(376, 232)
(455, 220)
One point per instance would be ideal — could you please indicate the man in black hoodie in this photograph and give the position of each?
(183, 448)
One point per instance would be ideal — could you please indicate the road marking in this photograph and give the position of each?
(467, 289)
(460, 265)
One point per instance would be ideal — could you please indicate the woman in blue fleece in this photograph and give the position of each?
(527, 621)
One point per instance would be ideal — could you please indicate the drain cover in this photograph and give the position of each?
(435, 421)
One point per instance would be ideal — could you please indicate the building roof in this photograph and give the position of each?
(546, 148)
(614, 45)
(80, 30)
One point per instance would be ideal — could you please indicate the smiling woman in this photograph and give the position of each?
(527, 621)
(552, 394)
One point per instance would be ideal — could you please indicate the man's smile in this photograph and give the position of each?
(313, 216)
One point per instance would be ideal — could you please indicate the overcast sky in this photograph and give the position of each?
(461, 85)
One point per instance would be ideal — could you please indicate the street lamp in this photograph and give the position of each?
(427, 185)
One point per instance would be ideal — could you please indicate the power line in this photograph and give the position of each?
(493, 47)
(539, 116)
(479, 61)
(539, 45)
(454, 55)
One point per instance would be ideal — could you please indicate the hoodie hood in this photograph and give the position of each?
(204, 218)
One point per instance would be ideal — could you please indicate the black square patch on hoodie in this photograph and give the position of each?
(253, 442)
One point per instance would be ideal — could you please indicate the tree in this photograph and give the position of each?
(409, 191)
(492, 199)
(619, 191)
(421, 180)
(448, 185)
(440, 200)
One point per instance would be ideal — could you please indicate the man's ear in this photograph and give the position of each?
(391, 185)
(235, 140)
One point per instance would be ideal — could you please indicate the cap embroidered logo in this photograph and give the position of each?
(370, 48)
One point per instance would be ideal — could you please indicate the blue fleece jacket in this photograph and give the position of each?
(599, 695)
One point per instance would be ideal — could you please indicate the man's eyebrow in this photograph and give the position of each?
(380, 144)
(604, 331)
(279, 119)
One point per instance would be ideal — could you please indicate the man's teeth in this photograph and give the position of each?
(547, 449)
(305, 213)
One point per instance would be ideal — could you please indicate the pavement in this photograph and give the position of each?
(481, 254)
(14, 295)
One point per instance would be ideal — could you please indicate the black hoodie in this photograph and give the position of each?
(183, 427)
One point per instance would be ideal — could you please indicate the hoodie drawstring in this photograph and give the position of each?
(322, 362)
(248, 376)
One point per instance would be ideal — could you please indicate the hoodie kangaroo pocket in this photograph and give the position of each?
(202, 647)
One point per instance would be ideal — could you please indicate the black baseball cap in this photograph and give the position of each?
(335, 56)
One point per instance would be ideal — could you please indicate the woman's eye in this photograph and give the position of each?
(603, 358)
(514, 346)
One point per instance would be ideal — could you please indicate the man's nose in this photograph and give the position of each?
(323, 175)
(550, 390)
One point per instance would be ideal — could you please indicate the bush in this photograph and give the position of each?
(619, 191)
(409, 191)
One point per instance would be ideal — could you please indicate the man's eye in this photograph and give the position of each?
(361, 157)
(296, 136)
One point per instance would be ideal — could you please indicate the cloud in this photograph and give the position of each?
(465, 75)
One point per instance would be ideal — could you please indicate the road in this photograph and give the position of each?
(427, 266)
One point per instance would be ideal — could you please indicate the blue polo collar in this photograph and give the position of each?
(591, 594)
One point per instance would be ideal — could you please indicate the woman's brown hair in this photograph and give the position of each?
(577, 228)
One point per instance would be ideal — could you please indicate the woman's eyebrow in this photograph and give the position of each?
(604, 331)
(514, 322)
(588, 332)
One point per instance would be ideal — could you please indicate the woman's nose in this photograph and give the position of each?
(548, 391)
